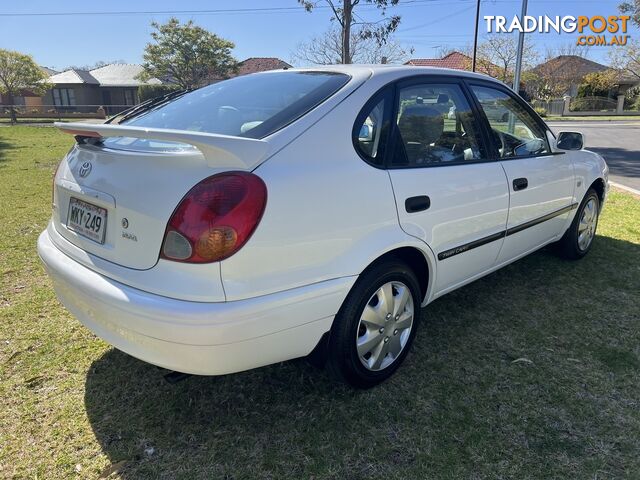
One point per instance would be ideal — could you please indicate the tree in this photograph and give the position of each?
(326, 49)
(553, 82)
(554, 77)
(567, 49)
(501, 51)
(98, 64)
(346, 17)
(19, 72)
(598, 84)
(187, 55)
(533, 85)
(627, 58)
(633, 9)
(147, 92)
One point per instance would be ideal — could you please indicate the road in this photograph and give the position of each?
(617, 142)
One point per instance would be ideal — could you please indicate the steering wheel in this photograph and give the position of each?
(459, 147)
(503, 143)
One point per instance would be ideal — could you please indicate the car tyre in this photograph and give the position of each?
(376, 325)
(578, 239)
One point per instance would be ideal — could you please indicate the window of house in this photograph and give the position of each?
(129, 97)
(64, 97)
(515, 130)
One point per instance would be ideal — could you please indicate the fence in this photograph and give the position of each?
(553, 107)
(593, 104)
(59, 112)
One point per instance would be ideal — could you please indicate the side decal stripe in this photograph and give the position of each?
(544, 218)
(497, 236)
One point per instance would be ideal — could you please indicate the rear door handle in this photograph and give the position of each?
(520, 184)
(417, 204)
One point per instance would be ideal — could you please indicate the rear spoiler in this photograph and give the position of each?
(218, 150)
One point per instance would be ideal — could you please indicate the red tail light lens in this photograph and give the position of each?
(215, 219)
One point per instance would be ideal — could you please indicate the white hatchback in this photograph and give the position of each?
(280, 214)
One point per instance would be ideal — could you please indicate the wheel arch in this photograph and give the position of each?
(600, 187)
(419, 259)
(416, 259)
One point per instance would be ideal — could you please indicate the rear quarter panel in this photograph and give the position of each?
(328, 213)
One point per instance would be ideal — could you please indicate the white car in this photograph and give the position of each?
(276, 215)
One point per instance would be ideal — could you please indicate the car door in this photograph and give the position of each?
(448, 192)
(541, 182)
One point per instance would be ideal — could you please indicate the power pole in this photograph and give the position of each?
(475, 39)
(347, 15)
(517, 73)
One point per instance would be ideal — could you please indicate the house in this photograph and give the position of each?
(261, 64)
(255, 65)
(48, 71)
(113, 86)
(566, 72)
(456, 61)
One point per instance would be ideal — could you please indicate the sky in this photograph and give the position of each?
(71, 32)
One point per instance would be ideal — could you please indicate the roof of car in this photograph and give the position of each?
(396, 70)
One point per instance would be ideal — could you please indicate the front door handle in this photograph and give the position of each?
(417, 204)
(520, 184)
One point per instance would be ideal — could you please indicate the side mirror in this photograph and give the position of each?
(570, 141)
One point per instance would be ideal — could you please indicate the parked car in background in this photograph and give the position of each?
(494, 111)
(276, 215)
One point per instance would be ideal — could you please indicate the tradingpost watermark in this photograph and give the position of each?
(595, 30)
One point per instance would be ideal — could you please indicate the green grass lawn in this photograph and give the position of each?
(532, 372)
(27, 121)
(604, 118)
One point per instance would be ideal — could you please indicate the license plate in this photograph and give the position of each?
(87, 219)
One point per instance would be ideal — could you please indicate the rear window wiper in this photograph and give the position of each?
(146, 106)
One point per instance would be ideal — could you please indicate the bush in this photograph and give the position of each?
(597, 84)
(541, 111)
(632, 99)
(147, 92)
(593, 104)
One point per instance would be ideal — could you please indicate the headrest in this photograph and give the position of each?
(422, 124)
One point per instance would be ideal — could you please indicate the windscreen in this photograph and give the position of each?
(247, 106)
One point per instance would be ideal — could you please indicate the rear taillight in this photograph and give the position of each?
(215, 219)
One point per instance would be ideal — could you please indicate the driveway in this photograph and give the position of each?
(617, 142)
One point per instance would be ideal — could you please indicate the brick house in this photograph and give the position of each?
(456, 61)
(261, 64)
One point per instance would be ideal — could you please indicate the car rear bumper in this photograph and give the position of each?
(195, 337)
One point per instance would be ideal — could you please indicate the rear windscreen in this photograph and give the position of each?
(251, 106)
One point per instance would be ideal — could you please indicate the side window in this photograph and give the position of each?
(516, 132)
(370, 131)
(435, 126)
